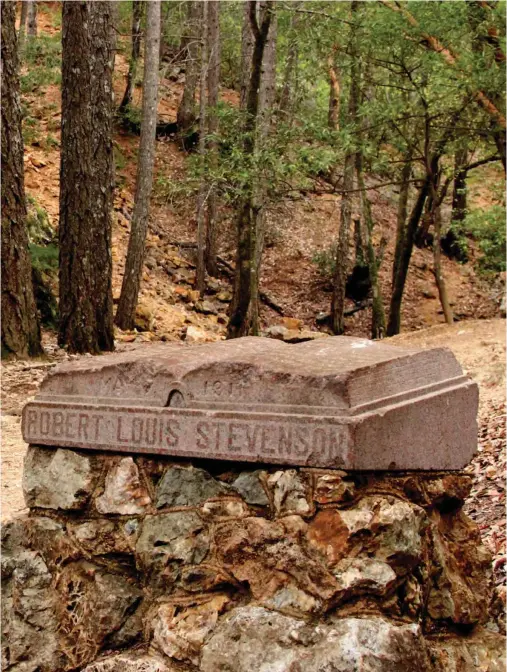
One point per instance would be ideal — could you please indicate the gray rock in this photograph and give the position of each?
(182, 486)
(58, 479)
(249, 486)
(253, 639)
(180, 536)
(29, 607)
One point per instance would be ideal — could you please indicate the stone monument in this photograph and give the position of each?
(250, 506)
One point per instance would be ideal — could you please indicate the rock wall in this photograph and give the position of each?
(149, 565)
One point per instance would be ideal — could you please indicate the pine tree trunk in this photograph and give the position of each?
(125, 314)
(86, 178)
(20, 323)
(22, 24)
(200, 274)
(243, 310)
(378, 318)
(137, 15)
(186, 109)
(32, 18)
(403, 260)
(213, 89)
(342, 250)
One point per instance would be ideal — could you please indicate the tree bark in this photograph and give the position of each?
(437, 264)
(86, 178)
(186, 109)
(137, 15)
(401, 218)
(244, 305)
(333, 117)
(290, 85)
(247, 45)
(342, 250)
(20, 330)
(403, 260)
(459, 192)
(200, 274)
(32, 18)
(144, 180)
(213, 89)
(378, 318)
(22, 24)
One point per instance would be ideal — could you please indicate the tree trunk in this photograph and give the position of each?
(22, 24)
(378, 318)
(213, 89)
(186, 110)
(333, 116)
(200, 274)
(459, 192)
(32, 18)
(244, 311)
(342, 250)
(437, 264)
(125, 314)
(20, 322)
(289, 93)
(401, 219)
(247, 45)
(86, 178)
(359, 259)
(402, 261)
(137, 15)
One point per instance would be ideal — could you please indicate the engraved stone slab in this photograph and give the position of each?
(339, 402)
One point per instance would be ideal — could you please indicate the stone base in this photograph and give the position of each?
(144, 564)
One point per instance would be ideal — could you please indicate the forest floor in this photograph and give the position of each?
(299, 227)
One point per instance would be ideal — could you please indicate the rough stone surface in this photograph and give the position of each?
(180, 634)
(29, 605)
(130, 662)
(252, 639)
(249, 485)
(43, 485)
(264, 570)
(340, 402)
(123, 493)
(168, 540)
(187, 487)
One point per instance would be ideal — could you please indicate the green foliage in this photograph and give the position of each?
(44, 257)
(488, 228)
(30, 130)
(42, 56)
(40, 231)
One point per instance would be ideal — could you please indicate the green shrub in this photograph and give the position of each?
(325, 260)
(488, 229)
